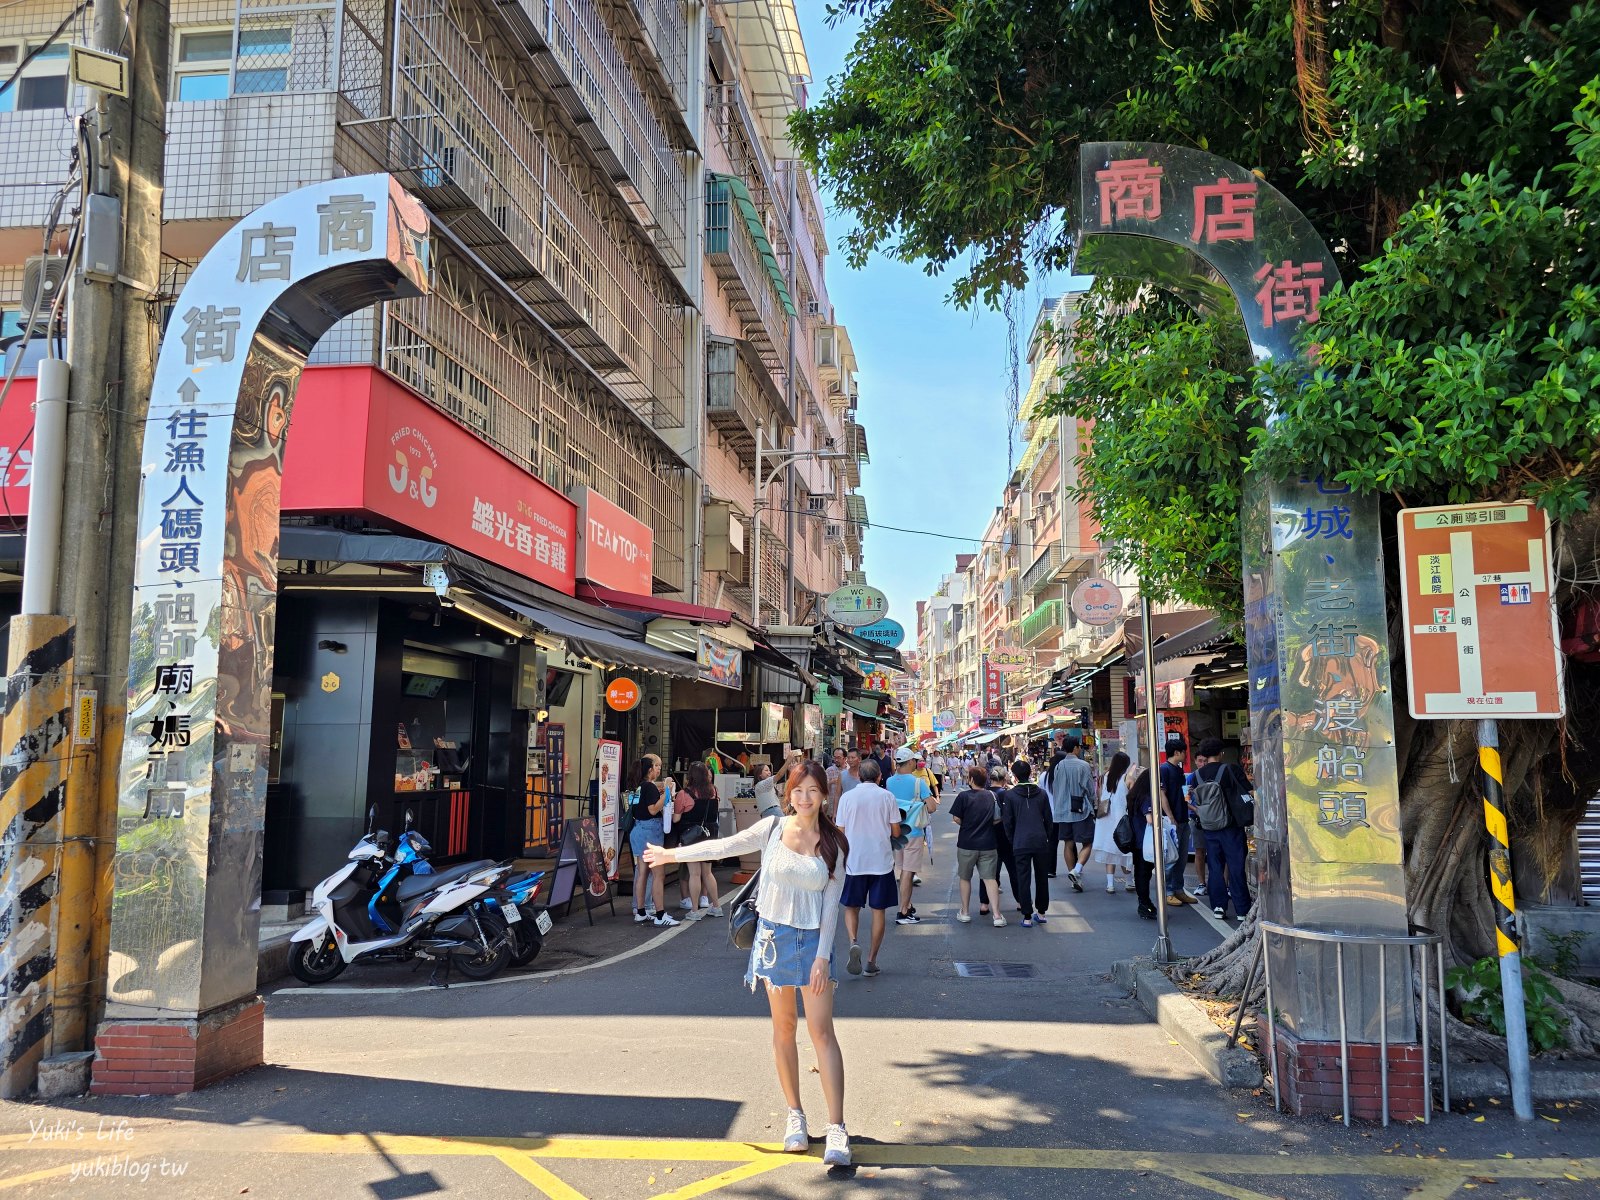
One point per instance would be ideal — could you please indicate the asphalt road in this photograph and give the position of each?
(650, 1075)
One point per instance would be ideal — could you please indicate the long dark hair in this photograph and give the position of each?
(697, 781)
(641, 771)
(1119, 764)
(835, 847)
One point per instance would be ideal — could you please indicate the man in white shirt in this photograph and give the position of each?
(869, 817)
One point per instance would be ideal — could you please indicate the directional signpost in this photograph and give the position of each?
(1482, 642)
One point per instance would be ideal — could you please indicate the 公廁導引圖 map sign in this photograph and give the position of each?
(1480, 623)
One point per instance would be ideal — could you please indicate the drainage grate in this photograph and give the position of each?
(994, 970)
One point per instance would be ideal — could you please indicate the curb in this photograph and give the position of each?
(1185, 1024)
(1558, 1079)
(272, 960)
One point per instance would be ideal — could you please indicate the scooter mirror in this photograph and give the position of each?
(410, 818)
(372, 817)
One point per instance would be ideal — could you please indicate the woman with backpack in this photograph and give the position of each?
(1113, 807)
(698, 823)
(645, 802)
(802, 875)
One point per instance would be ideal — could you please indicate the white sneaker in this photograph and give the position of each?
(1111, 886)
(695, 916)
(705, 901)
(999, 921)
(714, 911)
(686, 904)
(664, 920)
(963, 918)
(795, 1138)
(640, 916)
(837, 1151)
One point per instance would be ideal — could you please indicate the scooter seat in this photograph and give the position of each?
(416, 885)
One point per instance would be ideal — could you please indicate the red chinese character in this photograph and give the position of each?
(1235, 217)
(1289, 291)
(1130, 189)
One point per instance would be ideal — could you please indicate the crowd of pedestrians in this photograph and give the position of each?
(855, 836)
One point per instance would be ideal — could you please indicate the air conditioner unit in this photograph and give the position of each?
(42, 280)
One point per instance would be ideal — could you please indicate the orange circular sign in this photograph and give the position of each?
(622, 695)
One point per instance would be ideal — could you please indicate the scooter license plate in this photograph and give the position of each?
(511, 913)
(543, 922)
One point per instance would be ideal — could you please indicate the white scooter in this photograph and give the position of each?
(364, 913)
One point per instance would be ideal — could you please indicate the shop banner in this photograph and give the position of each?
(720, 663)
(422, 470)
(615, 550)
(993, 691)
(774, 723)
(610, 756)
(811, 727)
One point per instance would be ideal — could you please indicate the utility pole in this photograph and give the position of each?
(113, 331)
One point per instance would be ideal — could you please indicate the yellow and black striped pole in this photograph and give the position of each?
(36, 731)
(1505, 913)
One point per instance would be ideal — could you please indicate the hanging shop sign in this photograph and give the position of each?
(974, 709)
(1097, 602)
(774, 723)
(994, 688)
(720, 663)
(425, 472)
(196, 744)
(811, 727)
(944, 720)
(615, 550)
(1480, 616)
(885, 632)
(1007, 661)
(609, 757)
(622, 695)
(856, 605)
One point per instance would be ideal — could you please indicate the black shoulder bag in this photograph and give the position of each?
(742, 912)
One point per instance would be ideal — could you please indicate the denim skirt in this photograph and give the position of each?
(644, 833)
(782, 955)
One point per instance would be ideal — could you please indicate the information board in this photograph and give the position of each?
(1479, 609)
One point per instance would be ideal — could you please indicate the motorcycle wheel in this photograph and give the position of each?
(529, 941)
(315, 962)
(486, 965)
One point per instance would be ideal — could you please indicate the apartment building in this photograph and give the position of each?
(628, 308)
(781, 369)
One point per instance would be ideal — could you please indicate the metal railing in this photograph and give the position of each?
(1417, 946)
(737, 260)
(1041, 621)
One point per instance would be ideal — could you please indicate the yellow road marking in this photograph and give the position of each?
(749, 1170)
(551, 1184)
(36, 1176)
(1233, 1192)
(519, 1152)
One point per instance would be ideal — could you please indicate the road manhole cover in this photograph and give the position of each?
(994, 970)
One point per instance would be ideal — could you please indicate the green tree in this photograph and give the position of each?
(1449, 154)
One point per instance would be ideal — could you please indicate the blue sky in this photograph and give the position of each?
(933, 381)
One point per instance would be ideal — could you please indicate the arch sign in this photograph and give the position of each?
(1321, 718)
(192, 780)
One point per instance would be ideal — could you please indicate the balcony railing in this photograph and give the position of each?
(490, 161)
(728, 113)
(740, 397)
(1041, 622)
(1043, 571)
(576, 51)
(469, 351)
(743, 259)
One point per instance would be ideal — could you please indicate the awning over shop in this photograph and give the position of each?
(862, 708)
(983, 739)
(882, 656)
(603, 646)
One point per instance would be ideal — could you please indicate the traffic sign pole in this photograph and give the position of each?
(1505, 911)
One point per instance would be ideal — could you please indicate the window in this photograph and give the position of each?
(43, 82)
(205, 57)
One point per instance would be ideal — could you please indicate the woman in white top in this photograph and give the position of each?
(802, 873)
(1114, 798)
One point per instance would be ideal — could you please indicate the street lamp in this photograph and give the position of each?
(784, 458)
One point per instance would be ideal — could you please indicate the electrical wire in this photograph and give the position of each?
(949, 537)
(43, 46)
